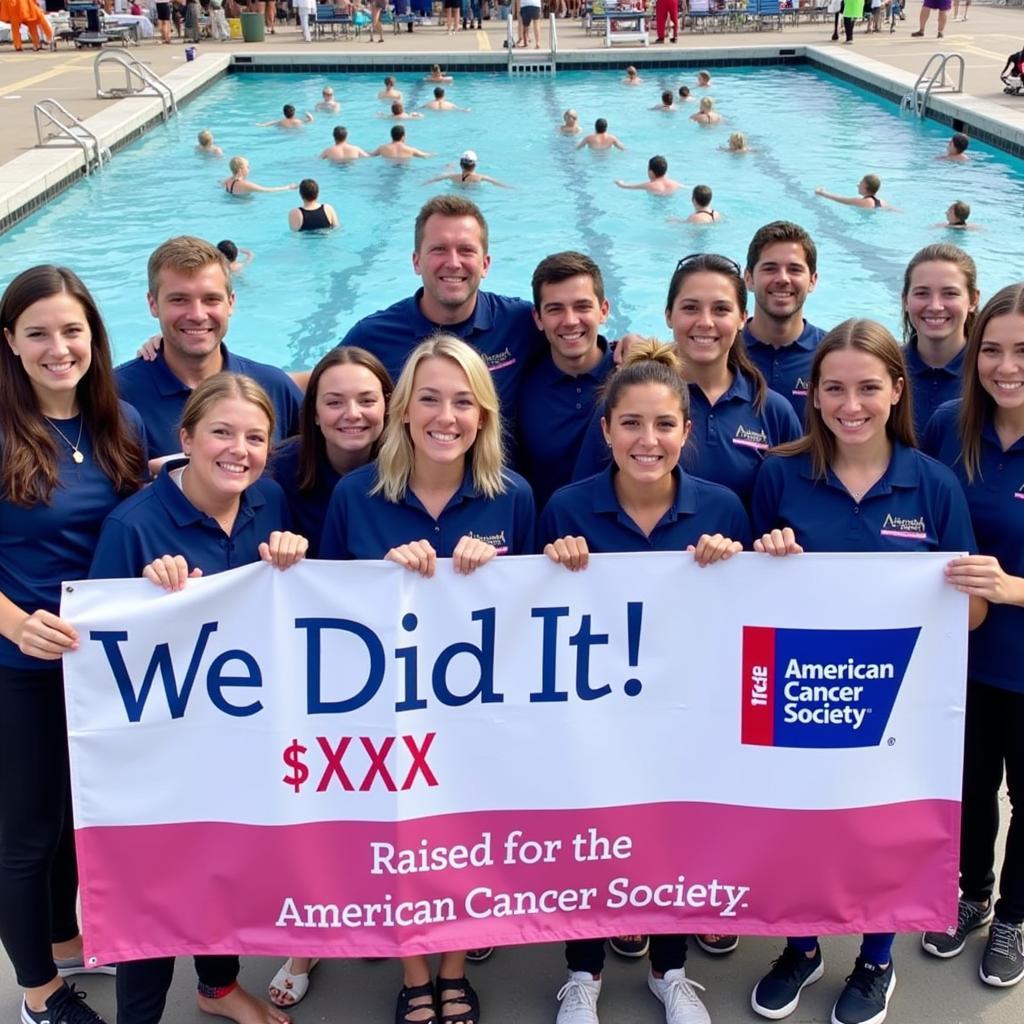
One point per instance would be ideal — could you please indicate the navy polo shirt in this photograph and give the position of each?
(501, 329)
(917, 505)
(554, 413)
(43, 545)
(160, 397)
(161, 521)
(590, 509)
(788, 368)
(996, 500)
(361, 525)
(931, 386)
(728, 441)
(308, 508)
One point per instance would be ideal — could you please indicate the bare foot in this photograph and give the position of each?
(243, 1008)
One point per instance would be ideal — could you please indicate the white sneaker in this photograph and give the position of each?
(682, 1004)
(578, 997)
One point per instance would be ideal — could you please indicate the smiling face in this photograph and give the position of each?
(571, 316)
(193, 309)
(443, 416)
(938, 302)
(1001, 361)
(781, 280)
(452, 262)
(350, 410)
(855, 396)
(646, 431)
(53, 340)
(227, 449)
(705, 318)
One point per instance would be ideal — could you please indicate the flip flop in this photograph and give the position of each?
(288, 984)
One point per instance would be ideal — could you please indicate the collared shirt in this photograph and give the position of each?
(161, 521)
(996, 500)
(590, 509)
(308, 508)
(45, 544)
(728, 442)
(554, 414)
(160, 397)
(787, 368)
(364, 525)
(916, 505)
(501, 329)
(931, 386)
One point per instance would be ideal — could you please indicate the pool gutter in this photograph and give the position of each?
(28, 181)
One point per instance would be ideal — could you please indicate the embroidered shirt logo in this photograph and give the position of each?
(904, 527)
(747, 438)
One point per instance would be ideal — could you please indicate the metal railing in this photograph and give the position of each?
(139, 80)
(69, 131)
(933, 79)
(531, 62)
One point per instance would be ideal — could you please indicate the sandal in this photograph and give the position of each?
(406, 1005)
(465, 994)
(286, 984)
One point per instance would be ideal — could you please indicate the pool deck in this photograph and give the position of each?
(29, 175)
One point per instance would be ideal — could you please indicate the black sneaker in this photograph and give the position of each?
(778, 992)
(632, 947)
(1003, 961)
(969, 917)
(66, 1006)
(865, 1000)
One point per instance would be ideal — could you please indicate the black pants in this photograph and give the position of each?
(38, 874)
(667, 953)
(848, 24)
(993, 739)
(142, 985)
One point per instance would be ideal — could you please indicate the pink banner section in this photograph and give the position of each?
(506, 877)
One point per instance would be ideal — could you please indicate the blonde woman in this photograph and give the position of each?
(239, 185)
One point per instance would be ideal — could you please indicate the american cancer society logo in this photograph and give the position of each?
(821, 687)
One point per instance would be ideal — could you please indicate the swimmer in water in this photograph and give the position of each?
(399, 113)
(684, 94)
(237, 257)
(632, 78)
(666, 103)
(343, 151)
(658, 182)
(440, 103)
(328, 105)
(289, 120)
(737, 144)
(600, 138)
(702, 211)
(707, 114)
(437, 75)
(956, 217)
(956, 149)
(703, 79)
(866, 198)
(468, 174)
(570, 123)
(206, 146)
(389, 92)
(397, 148)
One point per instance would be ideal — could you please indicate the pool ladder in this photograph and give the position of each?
(139, 80)
(67, 130)
(529, 62)
(933, 79)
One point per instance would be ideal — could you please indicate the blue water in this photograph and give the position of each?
(303, 291)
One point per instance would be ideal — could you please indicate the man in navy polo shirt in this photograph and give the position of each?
(451, 257)
(569, 306)
(190, 294)
(782, 270)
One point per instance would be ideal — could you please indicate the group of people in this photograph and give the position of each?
(438, 428)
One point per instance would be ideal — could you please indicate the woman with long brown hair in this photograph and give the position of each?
(69, 452)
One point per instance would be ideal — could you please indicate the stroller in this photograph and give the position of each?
(1012, 74)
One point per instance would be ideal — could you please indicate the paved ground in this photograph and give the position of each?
(519, 985)
(67, 75)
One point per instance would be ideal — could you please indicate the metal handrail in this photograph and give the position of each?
(510, 40)
(553, 22)
(918, 99)
(75, 131)
(151, 83)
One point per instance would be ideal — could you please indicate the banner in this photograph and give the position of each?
(344, 759)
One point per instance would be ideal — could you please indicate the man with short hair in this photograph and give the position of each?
(289, 120)
(658, 182)
(956, 149)
(343, 151)
(559, 391)
(190, 294)
(450, 255)
(398, 148)
(399, 113)
(782, 270)
(440, 103)
(600, 138)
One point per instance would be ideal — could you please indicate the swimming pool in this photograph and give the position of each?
(303, 291)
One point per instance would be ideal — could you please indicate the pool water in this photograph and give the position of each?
(303, 291)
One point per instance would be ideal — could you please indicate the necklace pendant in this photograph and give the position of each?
(77, 456)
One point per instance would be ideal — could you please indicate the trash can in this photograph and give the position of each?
(253, 27)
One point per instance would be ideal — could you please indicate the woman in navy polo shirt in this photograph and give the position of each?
(940, 300)
(340, 425)
(203, 514)
(69, 452)
(982, 439)
(642, 502)
(736, 418)
(439, 489)
(834, 490)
